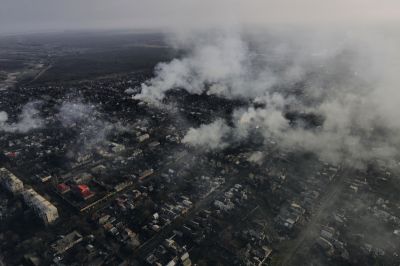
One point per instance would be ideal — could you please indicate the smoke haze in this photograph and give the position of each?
(88, 121)
(348, 80)
(28, 119)
(42, 15)
(336, 61)
(208, 137)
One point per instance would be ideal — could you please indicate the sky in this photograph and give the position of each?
(48, 15)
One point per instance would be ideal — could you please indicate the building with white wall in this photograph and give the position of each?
(42, 207)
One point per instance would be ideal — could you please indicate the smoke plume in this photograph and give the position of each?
(88, 122)
(208, 137)
(29, 119)
(348, 83)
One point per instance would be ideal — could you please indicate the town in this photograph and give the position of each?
(91, 176)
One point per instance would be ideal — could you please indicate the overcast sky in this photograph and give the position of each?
(42, 15)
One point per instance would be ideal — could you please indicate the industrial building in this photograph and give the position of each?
(43, 208)
(10, 181)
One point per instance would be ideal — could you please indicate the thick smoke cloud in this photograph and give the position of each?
(208, 137)
(348, 82)
(223, 62)
(29, 119)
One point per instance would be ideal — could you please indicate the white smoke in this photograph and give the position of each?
(3, 117)
(256, 157)
(28, 120)
(223, 62)
(71, 113)
(350, 81)
(130, 91)
(86, 119)
(208, 137)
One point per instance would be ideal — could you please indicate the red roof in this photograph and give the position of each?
(86, 193)
(12, 154)
(62, 187)
(83, 189)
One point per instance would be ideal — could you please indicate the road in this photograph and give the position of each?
(309, 233)
(38, 75)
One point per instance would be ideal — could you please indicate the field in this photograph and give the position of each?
(57, 57)
(92, 64)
